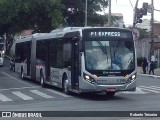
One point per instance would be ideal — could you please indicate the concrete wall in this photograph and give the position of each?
(143, 49)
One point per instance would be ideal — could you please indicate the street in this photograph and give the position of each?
(27, 95)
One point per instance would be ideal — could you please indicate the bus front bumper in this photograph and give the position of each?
(102, 88)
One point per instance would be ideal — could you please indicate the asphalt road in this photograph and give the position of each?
(27, 95)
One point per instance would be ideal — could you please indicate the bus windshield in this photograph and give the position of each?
(109, 55)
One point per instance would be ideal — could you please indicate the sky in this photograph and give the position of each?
(125, 7)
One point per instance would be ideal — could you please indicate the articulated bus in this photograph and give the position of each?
(87, 59)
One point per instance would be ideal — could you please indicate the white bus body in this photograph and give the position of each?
(80, 59)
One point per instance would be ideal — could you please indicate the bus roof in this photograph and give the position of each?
(70, 29)
(57, 33)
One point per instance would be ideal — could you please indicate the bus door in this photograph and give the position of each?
(28, 58)
(47, 62)
(75, 65)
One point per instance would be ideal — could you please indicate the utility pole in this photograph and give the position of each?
(135, 14)
(151, 35)
(86, 14)
(109, 13)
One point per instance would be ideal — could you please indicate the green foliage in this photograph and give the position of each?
(39, 15)
(19, 15)
(74, 12)
(143, 33)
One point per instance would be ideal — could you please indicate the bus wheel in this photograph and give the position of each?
(110, 94)
(65, 86)
(22, 74)
(42, 80)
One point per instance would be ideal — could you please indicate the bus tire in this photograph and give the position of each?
(42, 79)
(65, 85)
(22, 74)
(110, 94)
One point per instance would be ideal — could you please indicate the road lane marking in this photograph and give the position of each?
(21, 95)
(20, 88)
(58, 93)
(41, 94)
(155, 87)
(151, 87)
(17, 79)
(148, 89)
(138, 91)
(4, 98)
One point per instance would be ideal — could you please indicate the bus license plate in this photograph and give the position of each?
(111, 90)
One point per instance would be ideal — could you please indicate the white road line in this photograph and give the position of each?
(138, 91)
(151, 87)
(41, 94)
(21, 95)
(58, 93)
(148, 89)
(156, 87)
(17, 79)
(20, 88)
(4, 98)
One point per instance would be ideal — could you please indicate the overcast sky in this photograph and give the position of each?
(124, 7)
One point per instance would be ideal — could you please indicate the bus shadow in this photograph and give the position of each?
(98, 97)
(91, 96)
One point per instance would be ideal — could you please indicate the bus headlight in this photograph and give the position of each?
(133, 77)
(88, 78)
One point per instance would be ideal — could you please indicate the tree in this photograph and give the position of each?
(38, 15)
(143, 33)
(74, 12)
(41, 15)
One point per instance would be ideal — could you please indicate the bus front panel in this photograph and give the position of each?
(108, 60)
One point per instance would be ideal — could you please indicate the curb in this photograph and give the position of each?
(147, 75)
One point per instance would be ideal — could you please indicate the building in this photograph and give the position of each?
(156, 29)
(144, 45)
(118, 22)
(146, 24)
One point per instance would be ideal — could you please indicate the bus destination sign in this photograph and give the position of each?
(109, 34)
(99, 34)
